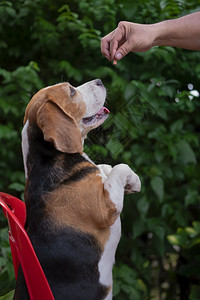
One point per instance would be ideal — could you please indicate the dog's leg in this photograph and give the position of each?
(121, 179)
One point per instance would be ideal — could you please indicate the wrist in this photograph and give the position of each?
(161, 33)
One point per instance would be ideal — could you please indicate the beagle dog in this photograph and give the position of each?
(73, 206)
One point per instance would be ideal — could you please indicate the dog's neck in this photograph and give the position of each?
(36, 135)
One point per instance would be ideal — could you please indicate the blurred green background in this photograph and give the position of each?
(154, 127)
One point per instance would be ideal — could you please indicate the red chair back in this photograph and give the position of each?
(22, 249)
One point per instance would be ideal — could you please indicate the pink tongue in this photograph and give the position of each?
(103, 110)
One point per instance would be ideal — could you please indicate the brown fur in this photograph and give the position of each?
(88, 209)
(58, 115)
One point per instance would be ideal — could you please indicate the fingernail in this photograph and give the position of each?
(118, 56)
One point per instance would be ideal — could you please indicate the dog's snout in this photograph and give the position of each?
(99, 82)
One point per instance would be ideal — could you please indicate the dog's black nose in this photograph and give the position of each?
(99, 82)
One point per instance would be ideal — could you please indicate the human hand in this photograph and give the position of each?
(128, 37)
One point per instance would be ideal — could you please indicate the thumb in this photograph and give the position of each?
(122, 51)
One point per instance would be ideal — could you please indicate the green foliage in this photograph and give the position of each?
(186, 237)
(127, 285)
(153, 126)
(6, 266)
(8, 296)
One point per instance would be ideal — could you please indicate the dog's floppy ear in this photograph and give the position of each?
(59, 128)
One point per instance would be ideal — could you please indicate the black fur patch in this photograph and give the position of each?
(80, 174)
(70, 262)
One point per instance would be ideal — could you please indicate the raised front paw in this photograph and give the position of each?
(133, 184)
(123, 175)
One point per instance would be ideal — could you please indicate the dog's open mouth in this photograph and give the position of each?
(97, 119)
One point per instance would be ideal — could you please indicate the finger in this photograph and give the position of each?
(105, 48)
(113, 48)
(105, 45)
(117, 39)
(122, 51)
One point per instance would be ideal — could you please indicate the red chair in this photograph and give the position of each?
(22, 249)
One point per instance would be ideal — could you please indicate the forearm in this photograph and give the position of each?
(128, 37)
(183, 32)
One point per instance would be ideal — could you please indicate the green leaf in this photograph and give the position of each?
(186, 154)
(8, 296)
(115, 147)
(196, 226)
(116, 288)
(130, 91)
(191, 197)
(17, 186)
(177, 126)
(138, 228)
(159, 232)
(157, 185)
(173, 239)
(143, 205)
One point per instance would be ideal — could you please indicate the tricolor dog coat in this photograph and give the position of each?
(73, 206)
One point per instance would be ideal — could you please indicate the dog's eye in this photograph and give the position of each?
(72, 91)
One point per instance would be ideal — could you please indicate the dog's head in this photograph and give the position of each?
(66, 114)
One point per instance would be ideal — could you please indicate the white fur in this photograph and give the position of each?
(115, 179)
(93, 95)
(25, 146)
(108, 257)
